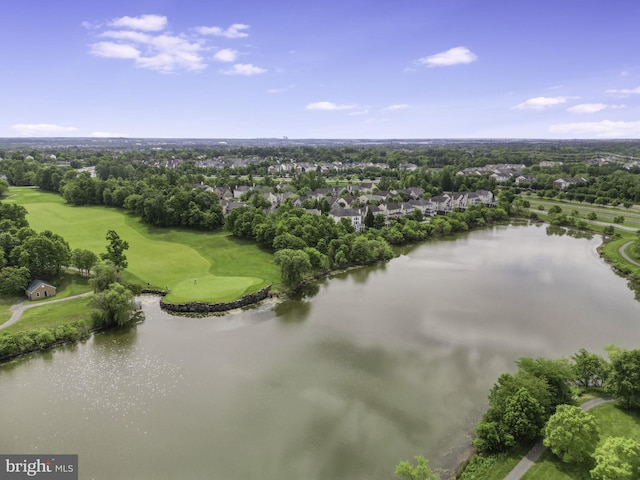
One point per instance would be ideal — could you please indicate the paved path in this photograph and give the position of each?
(538, 449)
(623, 252)
(18, 309)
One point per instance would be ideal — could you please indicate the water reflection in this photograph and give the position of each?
(381, 365)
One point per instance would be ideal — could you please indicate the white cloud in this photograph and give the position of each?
(398, 106)
(114, 50)
(234, 31)
(586, 108)
(245, 69)
(604, 129)
(359, 112)
(453, 56)
(141, 40)
(328, 106)
(109, 135)
(127, 35)
(164, 53)
(625, 91)
(226, 55)
(38, 129)
(540, 103)
(146, 23)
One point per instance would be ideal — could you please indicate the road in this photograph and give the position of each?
(538, 449)
(623, 252)
(18, 309)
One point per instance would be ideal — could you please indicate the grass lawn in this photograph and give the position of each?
(496, 466)
(53, 315)
(193, 265)
(613, 422)
(5, 304)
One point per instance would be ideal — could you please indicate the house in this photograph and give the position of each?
(458, 200)
(484, 196)
(415, 192)
(525, 179)
(441, 204)
(563, 183)
(241, 190)
(392, 209)
(424, 205)
(501, 176)
(354, 216)
(38, 289)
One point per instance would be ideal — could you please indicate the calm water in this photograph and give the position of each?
(367, 369)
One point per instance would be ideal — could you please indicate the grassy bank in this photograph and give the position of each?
(613, 422)
(53, 315)
(194, 266)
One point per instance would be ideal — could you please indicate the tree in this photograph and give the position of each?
(589, 369)
(369, 219)
(115, 306)
(557, 373)
(13, 280)
(43, 254)
(294, 264)
(105, 275)
(617, 458)
(572, 434)
(115, 250)
(523, 415)
(83, 260)
(420, 472)
(624, 380)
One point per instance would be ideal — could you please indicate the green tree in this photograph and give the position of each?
(523, 417)
(589, 369)
(617, 458)
(115, 250)
(557, 373)
(105, 275)
(592, 216)
(115, 305)
(294, 264)
(618, 219)
(44, 254)
(624, 380)
(572, 434)
(83, 260)
(13, 280)
(420, 471)
(369, 219)
(379, 221)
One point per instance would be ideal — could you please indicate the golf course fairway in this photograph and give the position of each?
(194, 266)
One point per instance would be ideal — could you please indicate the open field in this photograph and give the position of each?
(604, 213)
(195, 266)
(613, 422)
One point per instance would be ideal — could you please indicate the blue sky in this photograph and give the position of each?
(332, 69)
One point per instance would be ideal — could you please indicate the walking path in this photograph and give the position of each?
(538, 449)
(18, 309)
(623, 252)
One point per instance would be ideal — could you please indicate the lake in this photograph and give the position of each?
(361, 371)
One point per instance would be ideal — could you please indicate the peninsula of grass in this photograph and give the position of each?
(613, 422)
(193, 266)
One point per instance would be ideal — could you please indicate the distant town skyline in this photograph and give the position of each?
(350, 69)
